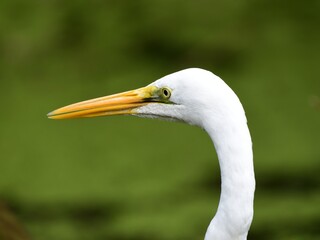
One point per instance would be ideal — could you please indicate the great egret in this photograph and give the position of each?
(197, 97)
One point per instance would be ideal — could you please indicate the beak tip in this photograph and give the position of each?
(50, 115)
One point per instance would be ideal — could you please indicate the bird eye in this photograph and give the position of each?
(166, 93)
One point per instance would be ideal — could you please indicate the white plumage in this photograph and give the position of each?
(200, 98)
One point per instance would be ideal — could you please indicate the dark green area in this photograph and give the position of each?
(126, 178)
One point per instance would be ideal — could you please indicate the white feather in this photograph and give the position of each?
(203, 99)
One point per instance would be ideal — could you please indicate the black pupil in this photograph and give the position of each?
(165, 92)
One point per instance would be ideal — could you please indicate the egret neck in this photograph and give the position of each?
(233, 145)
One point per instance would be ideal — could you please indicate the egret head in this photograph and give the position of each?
(181, 96)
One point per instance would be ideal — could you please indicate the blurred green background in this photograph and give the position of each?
(126, 178)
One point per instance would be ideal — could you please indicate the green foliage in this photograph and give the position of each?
(127, 178)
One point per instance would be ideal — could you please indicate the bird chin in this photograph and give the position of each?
(160, 111)
(153, 116)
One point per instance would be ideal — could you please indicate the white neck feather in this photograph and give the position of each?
(234, 149)
(203, 99)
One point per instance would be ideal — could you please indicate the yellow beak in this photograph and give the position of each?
(117, 104)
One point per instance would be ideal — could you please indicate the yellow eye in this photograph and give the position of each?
(165, 92)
